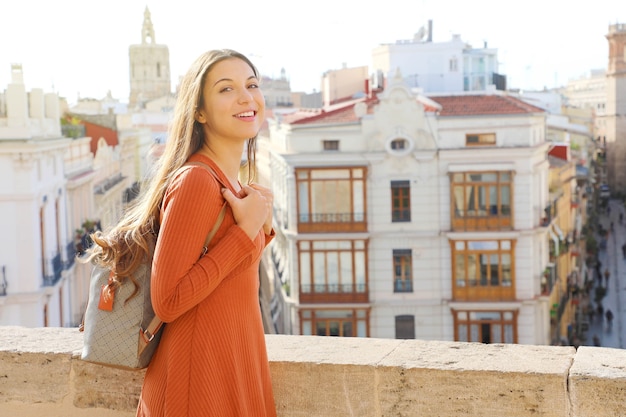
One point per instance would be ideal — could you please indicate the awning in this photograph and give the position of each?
(558, 231)
(556, 242)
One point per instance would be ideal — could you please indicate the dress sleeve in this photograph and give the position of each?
(180, 277)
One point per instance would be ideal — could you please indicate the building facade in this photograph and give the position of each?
(414, 217)
(36, 254)
(616, 108)
(437, 66)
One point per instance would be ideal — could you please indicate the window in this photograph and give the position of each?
(405, 327)
(331, 145)
(485, 326)
(480, 139)
(331, 199)
(400, 201)
(333, 271)
(481, 200)
(399, 144)
(342, 323)
(483, 270)
(402, 270)
(454, 64)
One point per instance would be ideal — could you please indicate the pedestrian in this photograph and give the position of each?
(600, 310)
(596, 340)
(212, 358)
(609, 318)
(607, 274)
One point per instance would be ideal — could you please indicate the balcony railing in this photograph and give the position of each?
(54, 267)
(331, 222)
(334, 293)
(403, 285)
(70, 252)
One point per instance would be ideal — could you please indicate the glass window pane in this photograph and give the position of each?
(358, 200)
(347, 329)
(506, 270)
(490, 177)
(482, 200)
(459, 270)
(320, 327)
(345, 258)
(496, 333)
(484, 268)
(474, 333)
(333, 328)
(362, 328)
(459, 204)
(305, 272)
(472, 269)
(332, 271)
(303, 202)
(493, 200)
(459, 245)
(463, 333)
(493, 270)
(319, 272)
(318, 174)
(508, 333)
(505, 199)
(359, 265)
(306, 328)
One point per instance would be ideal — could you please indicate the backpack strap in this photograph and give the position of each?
(156, 323)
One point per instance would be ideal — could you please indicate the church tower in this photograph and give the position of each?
(616, 108)
(149, 67)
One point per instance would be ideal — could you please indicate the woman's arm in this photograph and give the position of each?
(180, 280)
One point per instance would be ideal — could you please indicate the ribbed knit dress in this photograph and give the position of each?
(212, 359)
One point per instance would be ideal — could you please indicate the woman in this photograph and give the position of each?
(212, 359)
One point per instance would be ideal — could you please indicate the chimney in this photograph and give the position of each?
(430, 30)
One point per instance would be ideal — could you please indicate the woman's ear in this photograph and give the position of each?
(199, 116)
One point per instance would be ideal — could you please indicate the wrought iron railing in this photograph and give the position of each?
(331, 217)
(333, 288)
(54, 267)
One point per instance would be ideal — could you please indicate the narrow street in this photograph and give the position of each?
(611, 258)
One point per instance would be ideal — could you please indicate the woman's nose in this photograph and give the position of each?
(245, 96)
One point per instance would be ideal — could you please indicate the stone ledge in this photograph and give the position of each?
(41, 374)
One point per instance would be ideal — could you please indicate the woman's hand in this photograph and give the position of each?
(251, 209)
(269, 198)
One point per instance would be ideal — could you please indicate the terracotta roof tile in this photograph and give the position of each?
(483, 104)
(453, 105)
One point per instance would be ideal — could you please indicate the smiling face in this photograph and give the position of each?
(233, 106)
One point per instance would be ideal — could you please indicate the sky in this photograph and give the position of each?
(79, 48)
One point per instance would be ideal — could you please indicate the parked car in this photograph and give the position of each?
(605, 191)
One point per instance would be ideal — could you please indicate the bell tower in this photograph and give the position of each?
(149, 67)
(616, 108)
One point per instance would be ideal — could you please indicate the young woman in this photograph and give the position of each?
(212, 359)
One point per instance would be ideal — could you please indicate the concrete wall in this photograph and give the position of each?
(41, 375)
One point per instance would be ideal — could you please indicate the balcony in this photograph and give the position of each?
(333, 293)
(483, 292)
(42, 375)
(332, 223)
(54, 267)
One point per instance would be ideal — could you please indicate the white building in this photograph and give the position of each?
(450, 66)
(413, 217)
(36, 246)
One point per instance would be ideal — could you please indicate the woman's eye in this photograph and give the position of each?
(223, 90)
(253, 86)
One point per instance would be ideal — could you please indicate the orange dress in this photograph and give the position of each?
(212, 359)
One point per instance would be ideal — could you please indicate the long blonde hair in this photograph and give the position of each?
(131, 241)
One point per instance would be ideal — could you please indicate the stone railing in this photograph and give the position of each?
(41, 375)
